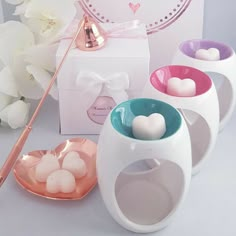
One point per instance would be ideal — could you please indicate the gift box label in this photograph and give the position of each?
(100, 109)
(168, 22)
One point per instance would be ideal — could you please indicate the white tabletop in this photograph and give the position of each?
(208, 211)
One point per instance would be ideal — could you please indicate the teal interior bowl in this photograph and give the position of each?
(122, 116)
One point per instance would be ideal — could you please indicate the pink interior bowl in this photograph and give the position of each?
(160, 77)
(190, 47)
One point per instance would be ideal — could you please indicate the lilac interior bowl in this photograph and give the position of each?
(190, 47)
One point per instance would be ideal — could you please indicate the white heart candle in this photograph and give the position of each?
(149, 128)
(211, 54)
(46, 166)
(61, 181)
(73, 163)
(181, 87)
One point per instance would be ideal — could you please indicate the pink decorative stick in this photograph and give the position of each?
(17, 148)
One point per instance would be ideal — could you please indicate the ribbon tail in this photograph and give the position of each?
(124, 27)
(90, 86)
(90, 95)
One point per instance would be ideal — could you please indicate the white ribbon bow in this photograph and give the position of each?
(92, 84)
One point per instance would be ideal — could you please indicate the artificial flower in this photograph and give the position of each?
(27, 85)
(27, 54)
(43, 79)
(4, 100)
(22, 53)
(15, 115)
(42, 55)
(31, 80)
(15, 38)
(49, 19)
(6, 88)
(8, 84)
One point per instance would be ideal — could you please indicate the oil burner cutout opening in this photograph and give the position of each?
(200, 136)
(225, 93)
(159, 78)
(147, 196)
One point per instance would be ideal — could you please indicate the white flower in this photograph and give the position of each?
(42, 55)
(32, 80)
(27, 85)
(8, 84)
(4, 100)
(49, 19)
(21, 5)
(43, 79)
(19, 54)
(15, 115)
(15, 38)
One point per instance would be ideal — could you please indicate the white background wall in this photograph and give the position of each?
(220, 20)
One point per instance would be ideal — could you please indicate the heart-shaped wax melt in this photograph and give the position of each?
(48, 164)
(73, 163)
(149, 128)
(25, 169)
(181, 88)
(212, 54)
(61, 181)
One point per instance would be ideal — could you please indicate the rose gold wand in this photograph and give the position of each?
(89, 38)
(17, 148)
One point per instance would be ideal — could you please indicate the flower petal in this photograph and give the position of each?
(27, 86)
(43, 78)
(15, 38)
(4, 100)
(49, 19)
(16, 114)
(4, 117)
(7, 83)
(43, 56)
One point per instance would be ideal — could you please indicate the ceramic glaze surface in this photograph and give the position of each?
(190, 47)
(159, 78)
(143, 182)
(123, 115)
(222, 72)
(201, 112)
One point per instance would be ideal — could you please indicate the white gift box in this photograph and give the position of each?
(92, 83)
(168, 22)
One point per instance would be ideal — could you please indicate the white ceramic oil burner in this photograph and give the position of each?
(142, 199)
(217, 59)
(194, 94)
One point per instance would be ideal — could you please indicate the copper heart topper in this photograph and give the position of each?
(89, 36)
(24, 169)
